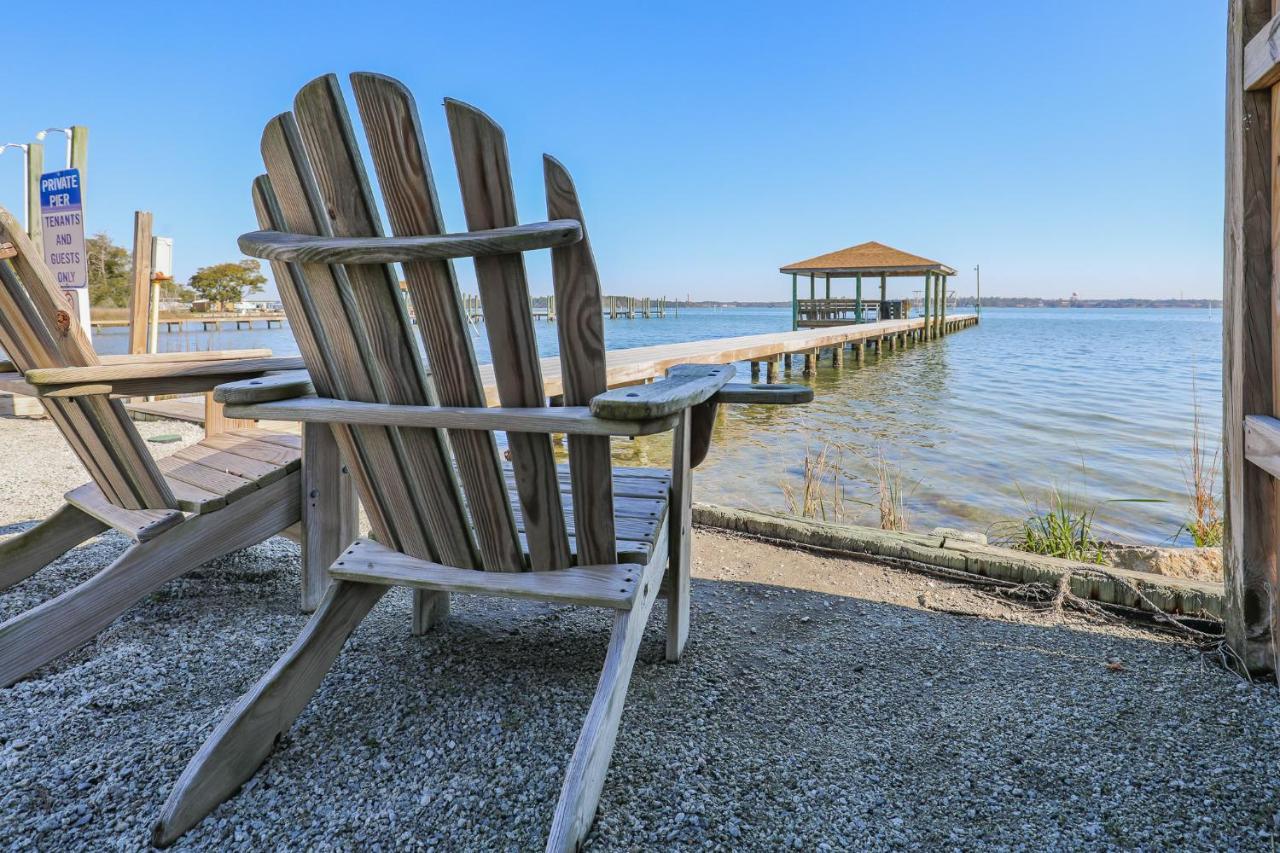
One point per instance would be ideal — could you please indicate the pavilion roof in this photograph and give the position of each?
(869, 258)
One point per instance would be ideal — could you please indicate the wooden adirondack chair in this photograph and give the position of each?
(591, 535)
(228, 492)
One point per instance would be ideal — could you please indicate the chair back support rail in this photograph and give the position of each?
(435, 494)
(38, 330)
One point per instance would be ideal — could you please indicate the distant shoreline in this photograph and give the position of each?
(997, 302)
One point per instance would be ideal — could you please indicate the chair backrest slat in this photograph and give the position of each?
(385, 491)
(39, 329)
(382, 320)
(484, 176)
(580, 326)
(309, 331)
(399, 154)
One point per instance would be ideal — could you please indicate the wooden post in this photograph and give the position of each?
(786, 360)
(860, 351)
(80, 152)
(942, 302)
(771, 370)
(35, 167)
(828, 280)
(884, 297)
(755, 371)
(795, 304)
(857, 303)
(1249, 373)
(329, 511)
(216, 421)
(813, 294)
(141, 292)
(928, 282)
(837, 355)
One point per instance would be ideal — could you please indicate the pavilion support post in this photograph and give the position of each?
(857, 303)
(795, 304)
(1251, 536)
(928, 283)
(942, 302)
(937, 330)
(813, 293)
(828, 279)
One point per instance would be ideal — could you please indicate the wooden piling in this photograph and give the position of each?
(771, 371)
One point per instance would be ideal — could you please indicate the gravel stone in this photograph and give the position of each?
(823, 704)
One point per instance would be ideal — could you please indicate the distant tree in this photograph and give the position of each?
(223, 283)
(110, 271)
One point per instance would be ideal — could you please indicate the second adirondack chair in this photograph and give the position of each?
(225, 493)
(448, 515)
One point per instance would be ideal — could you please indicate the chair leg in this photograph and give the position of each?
(246, 736)
(584, 780)
(30, 551)
(38, 636)
(680, 520)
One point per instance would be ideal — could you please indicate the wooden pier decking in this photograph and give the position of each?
(639, 364)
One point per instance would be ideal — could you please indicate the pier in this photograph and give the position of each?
(769, 355)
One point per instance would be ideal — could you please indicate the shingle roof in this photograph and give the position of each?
(869, 257)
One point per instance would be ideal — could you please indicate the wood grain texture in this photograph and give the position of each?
(158, 369)
(1262, 442)
(680, 553)
(330, 512)
(324, 296)
(140, 292)
(571, 420)
(1250, 537)
(198, 355)
(265, 389)
(139, 525)
(612, 586)
(488, 199)
(246, 735)
(685, 385)
(25, 553)
(300, 248)
(585, 776)
(382, 325)
(580, 330)
(399, 153)
(38, 332)
(1262, 57)
(49, 630)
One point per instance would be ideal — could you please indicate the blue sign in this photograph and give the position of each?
(60, 189)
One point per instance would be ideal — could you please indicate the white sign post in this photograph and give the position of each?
(62, 222)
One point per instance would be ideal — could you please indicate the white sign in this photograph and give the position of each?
(62, 223)
(162, 258)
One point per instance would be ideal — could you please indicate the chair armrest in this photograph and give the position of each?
(765, 395)
(168, 357)
(572, 420)
(686, 386)
(308, 249)
(107, 373)
(265, 389)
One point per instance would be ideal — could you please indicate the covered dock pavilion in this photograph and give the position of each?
(867, 260)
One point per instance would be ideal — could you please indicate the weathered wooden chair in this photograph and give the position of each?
(447, 516)
(228, 492)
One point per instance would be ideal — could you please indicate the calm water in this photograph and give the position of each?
(1096, 402)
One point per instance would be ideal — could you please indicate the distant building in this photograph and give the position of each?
(257, 306)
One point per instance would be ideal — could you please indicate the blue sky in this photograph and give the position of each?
(1064, 146)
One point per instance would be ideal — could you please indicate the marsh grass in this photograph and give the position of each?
(1204, 504)
(1061, 526)
(822, 493)
(893, 512)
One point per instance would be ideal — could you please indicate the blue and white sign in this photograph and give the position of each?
(62, 224)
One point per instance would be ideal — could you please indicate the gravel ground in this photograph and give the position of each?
(823, 704)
